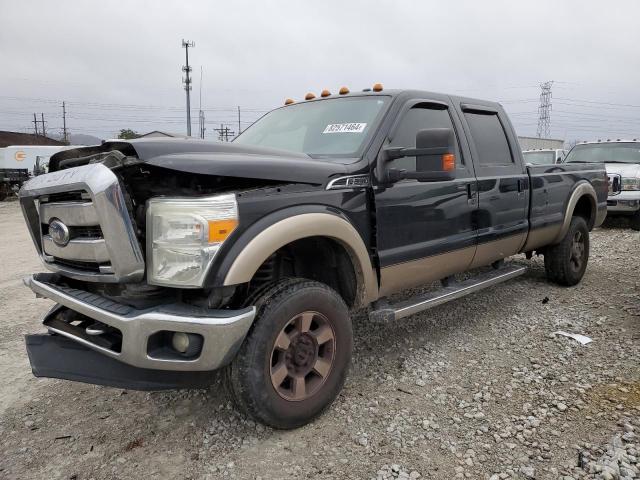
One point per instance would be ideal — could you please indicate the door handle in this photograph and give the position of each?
(521, 184)
(471, 197)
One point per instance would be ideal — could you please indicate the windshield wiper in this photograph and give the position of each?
(620, 161)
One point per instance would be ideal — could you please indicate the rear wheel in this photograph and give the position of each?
(294, 361)
(566, 262)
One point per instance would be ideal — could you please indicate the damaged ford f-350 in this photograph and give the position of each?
(168, 259)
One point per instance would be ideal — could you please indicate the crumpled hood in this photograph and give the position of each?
(218, 158)
(629, 170)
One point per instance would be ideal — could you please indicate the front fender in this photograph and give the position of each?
(274, 231)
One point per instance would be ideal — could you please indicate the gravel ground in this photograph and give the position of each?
(479, 388)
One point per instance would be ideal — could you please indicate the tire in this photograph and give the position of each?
(288, 387)
(566, 262)
(634, 221)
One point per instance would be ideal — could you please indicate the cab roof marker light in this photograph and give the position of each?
(325, 93)
(289, 101)
(377, 87)
(343, 90)
(309, 96)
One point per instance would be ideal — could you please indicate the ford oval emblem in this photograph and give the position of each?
(59, 232)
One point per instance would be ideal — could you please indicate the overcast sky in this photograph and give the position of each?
(117, 64)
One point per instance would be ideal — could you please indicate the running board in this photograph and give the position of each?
(417, 304)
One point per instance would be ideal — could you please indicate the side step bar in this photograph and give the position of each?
(417, 304)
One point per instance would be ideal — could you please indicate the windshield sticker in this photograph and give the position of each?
(345, 128)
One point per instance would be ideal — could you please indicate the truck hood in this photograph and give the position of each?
(629, 170)
(218, 158)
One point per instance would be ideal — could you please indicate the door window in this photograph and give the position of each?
(418, 118)
(490, 139)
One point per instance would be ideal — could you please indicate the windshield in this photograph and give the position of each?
(539, 158)
(332, 127)
(605, 152)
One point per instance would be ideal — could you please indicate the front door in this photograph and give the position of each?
(424, 230)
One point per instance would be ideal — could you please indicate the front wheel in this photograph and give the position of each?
(566, 262)
(295, 359)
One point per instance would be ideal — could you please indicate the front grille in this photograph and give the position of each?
(85, 248)
(80, 224)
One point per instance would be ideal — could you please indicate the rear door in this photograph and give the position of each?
(424, 230)
(503, 184)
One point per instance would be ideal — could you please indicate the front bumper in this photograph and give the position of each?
(222, 330)
(54, 356)
(624, 202)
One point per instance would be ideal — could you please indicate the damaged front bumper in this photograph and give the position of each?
(140, 335)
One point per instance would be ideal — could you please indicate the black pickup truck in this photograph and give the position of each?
(169, 259)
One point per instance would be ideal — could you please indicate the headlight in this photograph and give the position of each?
(183, 236)
(631, 184)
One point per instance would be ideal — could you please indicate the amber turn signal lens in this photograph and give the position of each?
(309, 96)
(377, 87)
(448, 162)
(219, 230)
(343, 90)
(325, 93)
(289, 101)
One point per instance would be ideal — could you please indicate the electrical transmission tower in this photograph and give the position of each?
(544, 110)
(187, 81)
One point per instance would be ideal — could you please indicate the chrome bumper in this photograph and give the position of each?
(627, 201)
(222, 330)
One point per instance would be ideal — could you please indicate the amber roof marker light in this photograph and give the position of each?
(343, 90)
(377, 87)
(309, 96)
(289, 101)
(325, 93)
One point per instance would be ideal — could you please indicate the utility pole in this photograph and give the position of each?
(544, 110)
(187, 81)
(239, 127)
(201, 113)
(224, 133)
(65, 135)
(44, 132)
(35, 123)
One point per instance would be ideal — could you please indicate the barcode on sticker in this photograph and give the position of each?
(345, 128)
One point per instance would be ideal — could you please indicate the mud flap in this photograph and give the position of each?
(55, 356)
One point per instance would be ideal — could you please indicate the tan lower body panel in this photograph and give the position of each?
(497, 250)
(417, 272)
(541, 236)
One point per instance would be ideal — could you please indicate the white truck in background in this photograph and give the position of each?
(20, 162)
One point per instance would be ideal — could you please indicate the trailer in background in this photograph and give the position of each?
(19, 162)
(535, 143)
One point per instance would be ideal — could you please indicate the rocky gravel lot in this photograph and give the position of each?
(479, 388)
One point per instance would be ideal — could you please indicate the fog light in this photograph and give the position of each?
(187, 344)
(180, 342)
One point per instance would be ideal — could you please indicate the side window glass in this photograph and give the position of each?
(418, 118)
(489, 138)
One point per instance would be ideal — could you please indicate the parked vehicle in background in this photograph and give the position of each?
(544, 156)
(19, 162)
(11, 179)
(174, 257)
(622, 161)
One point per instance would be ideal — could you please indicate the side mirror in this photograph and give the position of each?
(435, 158)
